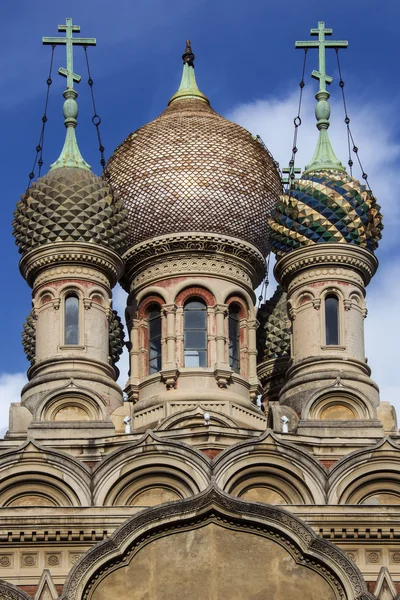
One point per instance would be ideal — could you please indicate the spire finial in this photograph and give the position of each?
(324, 156)
(70, 155)
(188, 56)
(188, 87)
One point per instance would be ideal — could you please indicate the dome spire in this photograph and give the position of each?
(70, 154)
(188, 86)
(324, 156)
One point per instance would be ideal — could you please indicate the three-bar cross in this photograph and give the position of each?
(69, 42)
(322, 43)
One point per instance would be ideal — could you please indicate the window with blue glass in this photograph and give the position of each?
(331, 320)
(234, 337)
(195, 333)
(71, 320)
(154, 325)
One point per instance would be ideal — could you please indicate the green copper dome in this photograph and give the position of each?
(326, 206)
(69, 204)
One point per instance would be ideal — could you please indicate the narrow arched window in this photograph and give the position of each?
(195, 333)
(331, 320)
(154, 324)
(71, 320)
(234, 337)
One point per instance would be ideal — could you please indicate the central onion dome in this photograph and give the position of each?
(191, 170)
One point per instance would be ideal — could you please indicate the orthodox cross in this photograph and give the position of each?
(69, 42)
(322, 43)
(291, 171)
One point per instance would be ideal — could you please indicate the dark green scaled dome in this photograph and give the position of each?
(273, 336)
(69, 204)
(326, 206)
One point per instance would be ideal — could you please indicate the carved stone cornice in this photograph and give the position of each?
(323, 260)
(60, 254)
(169, 255)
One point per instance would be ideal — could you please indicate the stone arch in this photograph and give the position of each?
(195, 291)
(195, 416)
(166, 469)
(33, 475)
(348, 402)
(87, 404)
(367, 476)
(228, 547)
(270, 471)
(8, 591)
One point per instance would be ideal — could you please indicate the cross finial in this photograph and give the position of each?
(69, 42)
(324, 156)
(188, 56)
(70, 155)
(291, 171)
(322, 44)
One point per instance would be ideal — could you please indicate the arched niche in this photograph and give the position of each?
(215, 546)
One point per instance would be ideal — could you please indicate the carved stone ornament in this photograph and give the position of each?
(213, 506)
(328, 257)
(192, 252)
(79, 254)
(8, 591)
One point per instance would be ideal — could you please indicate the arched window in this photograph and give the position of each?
(331, 320)
(195, 333)
(234, 337)
(154, 323)
(71, 320)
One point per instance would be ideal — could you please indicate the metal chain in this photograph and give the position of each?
(350, 139)
(96, 120)
(264, 288)
(297, 121)
(39, 148)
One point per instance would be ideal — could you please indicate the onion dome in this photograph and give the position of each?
(192, 170)
(326, 205)
(69, 203)
(116, 337)
(273, 337)
(29, 337)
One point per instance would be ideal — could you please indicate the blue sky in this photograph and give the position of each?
(245, 63)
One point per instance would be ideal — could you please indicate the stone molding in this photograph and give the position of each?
(107, 261)
(214, 506)
(168, 255)
(60, 273)
(325, 256)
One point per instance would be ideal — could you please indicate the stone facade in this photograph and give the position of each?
(250, 455)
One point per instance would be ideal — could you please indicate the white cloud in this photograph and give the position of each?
(272, 119)
(11, 385)
(119, 304)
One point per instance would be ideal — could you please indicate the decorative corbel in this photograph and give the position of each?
(56, 303)
(316, 302)
(87, 303)
(347, 303)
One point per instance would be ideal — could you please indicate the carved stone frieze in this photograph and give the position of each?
(326, 258)
(71, 272)
(193, 252)
(34, 262)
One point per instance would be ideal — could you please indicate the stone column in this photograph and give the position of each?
(170, 371)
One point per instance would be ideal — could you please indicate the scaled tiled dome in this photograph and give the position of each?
(273, 336)
(69, 204)
(326, 206)
(192, 170)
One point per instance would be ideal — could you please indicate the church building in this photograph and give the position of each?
(249, 455)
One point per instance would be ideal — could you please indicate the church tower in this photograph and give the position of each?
(69, 228)
(324, 234)
(197, 189)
